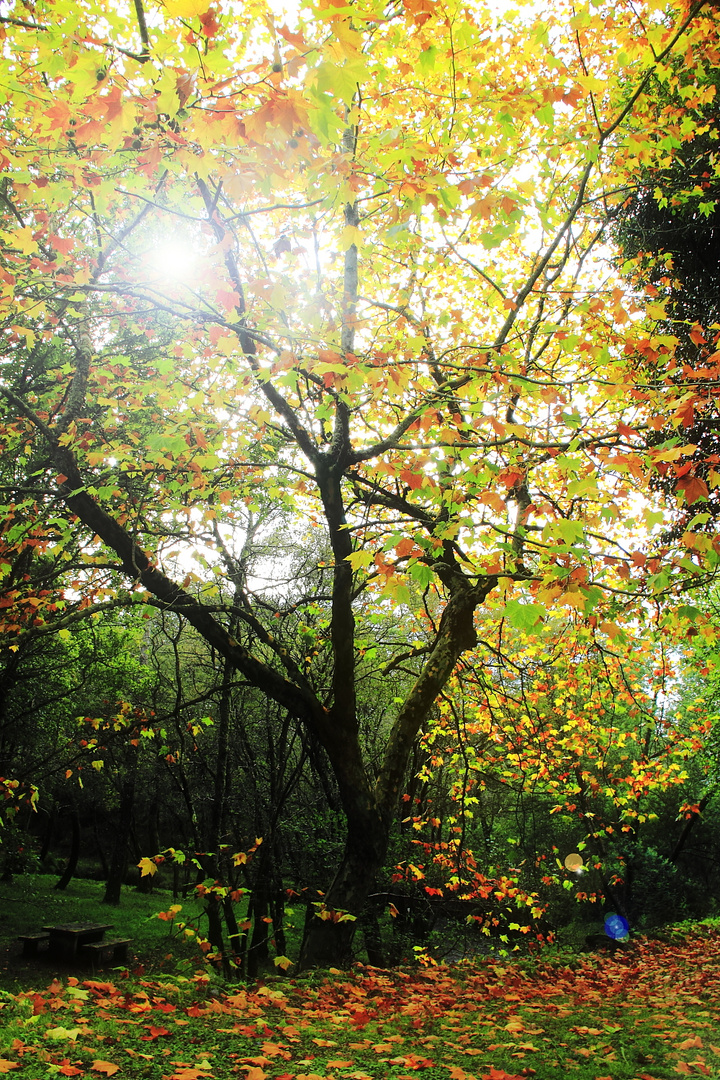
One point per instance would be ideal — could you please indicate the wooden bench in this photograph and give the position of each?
(114, 950)
(32, 941)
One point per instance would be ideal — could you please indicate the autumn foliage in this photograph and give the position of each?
(345, 270)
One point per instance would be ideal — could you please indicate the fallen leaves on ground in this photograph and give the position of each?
(647, 1014)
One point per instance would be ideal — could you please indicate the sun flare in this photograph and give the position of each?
(173, 261)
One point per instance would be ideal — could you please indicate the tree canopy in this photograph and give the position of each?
(341, 269)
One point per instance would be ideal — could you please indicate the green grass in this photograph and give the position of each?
(652, 1013)
(32, 902)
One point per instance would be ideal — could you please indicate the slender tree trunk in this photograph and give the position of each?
(689, 825)
(118, 863)
(100, 849)
(48, 836)
(69, 871)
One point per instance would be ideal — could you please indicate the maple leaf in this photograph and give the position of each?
(209, 23)
(691, 1043)
(500, 1074)
(6, 1065)
(154, 1033)
(66, 1069)
(105, 1067)
(693, 488)
(59, 1034)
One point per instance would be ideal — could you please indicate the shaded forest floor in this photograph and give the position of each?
(652, 1013)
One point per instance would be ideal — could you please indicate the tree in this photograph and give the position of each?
(668, 233)
(395, 327)
(583, 735)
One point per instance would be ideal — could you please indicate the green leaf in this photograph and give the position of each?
(523, 616)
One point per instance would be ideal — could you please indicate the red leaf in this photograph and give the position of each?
(210, 25)
(694, 488)
(154, 1033)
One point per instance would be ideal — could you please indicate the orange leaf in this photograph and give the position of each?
(689, 1044)
(105, 1067)
(66, 1069)
(154, 1033)
(6, 1065)
(62, 244)
(694, 488)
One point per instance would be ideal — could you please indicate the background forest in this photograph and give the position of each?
(359, 429)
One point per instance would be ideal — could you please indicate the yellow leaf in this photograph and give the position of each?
(359, 559)
(62, 1033)
(186, 9)
(147, 866)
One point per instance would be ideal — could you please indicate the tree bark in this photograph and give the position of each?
(69, 872)
(689, 825)
(329, 942)
(118, 862)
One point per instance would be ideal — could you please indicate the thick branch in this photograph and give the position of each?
(139, 567)
(456, 634)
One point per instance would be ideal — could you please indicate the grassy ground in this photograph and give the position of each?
(31, 902)
(651, 1013)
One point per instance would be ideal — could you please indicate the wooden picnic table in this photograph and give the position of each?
(67, 938)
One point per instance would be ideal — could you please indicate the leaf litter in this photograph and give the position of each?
(651, 1013)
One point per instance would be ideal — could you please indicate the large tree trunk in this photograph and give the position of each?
(328, 937)
(369, 809)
